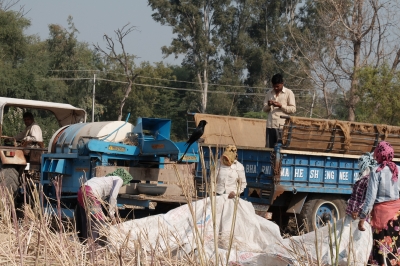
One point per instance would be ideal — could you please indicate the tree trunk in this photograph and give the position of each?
(121, 107)
(328, 112)
(353, 99)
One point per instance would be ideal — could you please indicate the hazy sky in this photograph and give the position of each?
(94, 18)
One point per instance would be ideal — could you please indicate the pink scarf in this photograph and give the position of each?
(384, 155)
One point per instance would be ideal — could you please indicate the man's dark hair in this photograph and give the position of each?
(27, 115)
(277, 79)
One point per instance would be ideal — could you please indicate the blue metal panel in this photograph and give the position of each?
(159, 147)
(95, 145)
(192, 154)
(81, 169)
(328, 190)
(318, 171)
(57, 166)
(59, 156)
(298, 172)
(71, 171)
(153, 137)
(61, 167)
(158, 128)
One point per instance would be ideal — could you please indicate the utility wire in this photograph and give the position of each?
(169, 80)
(177, 89)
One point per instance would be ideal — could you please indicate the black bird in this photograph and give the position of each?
(197, 133)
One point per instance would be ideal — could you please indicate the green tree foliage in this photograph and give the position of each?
(258, 115)
(196, 28)
(13, 49)
(153, 94)
(69, 62)
(231, 50)
(379, 93)
(13, 41)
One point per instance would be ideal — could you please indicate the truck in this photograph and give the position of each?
(18, 159)
(309, 175)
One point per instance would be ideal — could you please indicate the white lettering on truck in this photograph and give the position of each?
(313, 174)
(298, 173)
(266, 169)
(344, 176)
(285, 172)
(251, 168)
(329, 175)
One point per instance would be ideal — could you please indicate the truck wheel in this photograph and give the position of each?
(9, 177)
(320, 210)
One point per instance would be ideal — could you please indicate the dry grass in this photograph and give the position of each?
(40, 238)
(43, 239)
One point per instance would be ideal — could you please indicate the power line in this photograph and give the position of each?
(177, 89)
(172, 80)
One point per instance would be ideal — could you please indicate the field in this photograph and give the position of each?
(31, 236)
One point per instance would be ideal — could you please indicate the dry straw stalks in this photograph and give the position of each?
(43, 237)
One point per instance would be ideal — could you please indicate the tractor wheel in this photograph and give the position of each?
(321, 209)
(9, 177)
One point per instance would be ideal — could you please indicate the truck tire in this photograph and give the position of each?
(321, 209)
(9, 177)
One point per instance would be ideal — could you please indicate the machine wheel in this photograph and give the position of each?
(320, 210)
(9, 177)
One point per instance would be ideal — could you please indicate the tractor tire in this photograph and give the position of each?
(9, 177)
(321, 209)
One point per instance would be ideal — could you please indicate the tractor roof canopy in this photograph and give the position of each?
(65, 114)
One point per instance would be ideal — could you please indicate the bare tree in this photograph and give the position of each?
(124, 59)
(7, 5)
(345, 37)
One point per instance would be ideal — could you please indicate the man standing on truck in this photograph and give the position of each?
(32, 131)
(278, 101)
(231, 177)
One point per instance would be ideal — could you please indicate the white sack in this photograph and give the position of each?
(256, 240)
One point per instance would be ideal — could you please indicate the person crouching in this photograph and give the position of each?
(91, 194)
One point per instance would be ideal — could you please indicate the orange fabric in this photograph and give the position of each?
(383, 212)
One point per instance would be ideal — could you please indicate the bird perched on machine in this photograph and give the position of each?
(197, 133)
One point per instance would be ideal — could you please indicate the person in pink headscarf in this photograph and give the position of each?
(383, 205)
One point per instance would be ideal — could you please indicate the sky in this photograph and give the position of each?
(94, 18)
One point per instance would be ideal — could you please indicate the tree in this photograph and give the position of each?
(194, 23)
(7, 5)
(13, 49)
(252, 34)
(152, 94)
(379, 94)
(124, 59)
(336, 38)
(70, 67)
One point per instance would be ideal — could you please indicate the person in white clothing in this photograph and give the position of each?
(231, 174)
(32, 131)
(92, 195)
